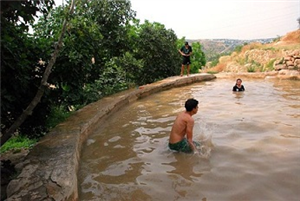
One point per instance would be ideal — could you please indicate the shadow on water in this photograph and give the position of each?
(249, 146)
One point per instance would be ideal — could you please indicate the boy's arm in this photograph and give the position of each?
(189, 134)
(181, 53)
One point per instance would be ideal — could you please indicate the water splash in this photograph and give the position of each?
(203, 134)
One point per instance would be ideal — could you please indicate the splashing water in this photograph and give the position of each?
(203, 134)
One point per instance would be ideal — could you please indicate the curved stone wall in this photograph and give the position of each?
(50, 169)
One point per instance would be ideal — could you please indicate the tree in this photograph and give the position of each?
(197, 58)
(125, 52)
(22, 13)
(28, 111)
(18, 57)
(98, 29)
(156, 47)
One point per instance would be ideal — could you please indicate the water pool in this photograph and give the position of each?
(251, 146)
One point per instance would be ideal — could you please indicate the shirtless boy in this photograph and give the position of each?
(181, 136)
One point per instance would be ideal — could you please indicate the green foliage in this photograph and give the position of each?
(157, 48)
(270, 64)
(130, 65)
(20, 70)
(215, 58)
(276, 39)
(241, 60)
(281, 61)
(212, 72)
(16, 143)
(95, 30)
(118, 74)
(126, 53)
(238, 48)
(251, 69)
(197, 58)
(22, 13)
(113, 78)
(180, 42)
(214, 63)
(57, 115)
(254, 66)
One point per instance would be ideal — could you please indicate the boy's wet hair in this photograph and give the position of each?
(190, 104)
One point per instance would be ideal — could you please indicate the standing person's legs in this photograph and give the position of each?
(182, 70)
(188, 69)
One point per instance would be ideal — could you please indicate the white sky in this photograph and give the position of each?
(215, 19)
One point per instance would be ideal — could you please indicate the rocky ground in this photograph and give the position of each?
(11, 164)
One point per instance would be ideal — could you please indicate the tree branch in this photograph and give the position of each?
(28, 111)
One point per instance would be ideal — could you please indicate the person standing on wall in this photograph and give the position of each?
(186, 52)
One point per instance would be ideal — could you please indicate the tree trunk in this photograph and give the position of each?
(28, 111)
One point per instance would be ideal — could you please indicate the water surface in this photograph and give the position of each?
(251, 146)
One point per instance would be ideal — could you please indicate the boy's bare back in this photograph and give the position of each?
(183, 125)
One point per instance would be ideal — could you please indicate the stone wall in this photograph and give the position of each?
(291, 61)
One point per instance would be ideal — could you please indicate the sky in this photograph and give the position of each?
(213, 19)
(221, 19)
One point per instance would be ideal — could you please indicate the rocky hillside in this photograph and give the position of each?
(282, 54)
(214, 47)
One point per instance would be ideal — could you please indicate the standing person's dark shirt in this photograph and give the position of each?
(186, 49)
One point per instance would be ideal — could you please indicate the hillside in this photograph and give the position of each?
(213, 47)
(283, 53)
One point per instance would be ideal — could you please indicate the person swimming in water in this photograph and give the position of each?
(181, 136)
(238, 86)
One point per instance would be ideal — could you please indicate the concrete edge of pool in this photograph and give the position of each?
(49, 171)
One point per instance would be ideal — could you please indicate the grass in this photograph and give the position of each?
(17, 143)
(212, 72)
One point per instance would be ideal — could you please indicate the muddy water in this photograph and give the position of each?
(250, 147)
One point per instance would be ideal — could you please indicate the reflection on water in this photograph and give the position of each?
(250, 146)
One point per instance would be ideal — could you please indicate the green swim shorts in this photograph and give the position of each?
(182, 146)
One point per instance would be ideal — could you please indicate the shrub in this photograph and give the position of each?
(270, 64)
(251, 69)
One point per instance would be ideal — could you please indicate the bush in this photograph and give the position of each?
(270, 64)
(57, 115)
(251, 69)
